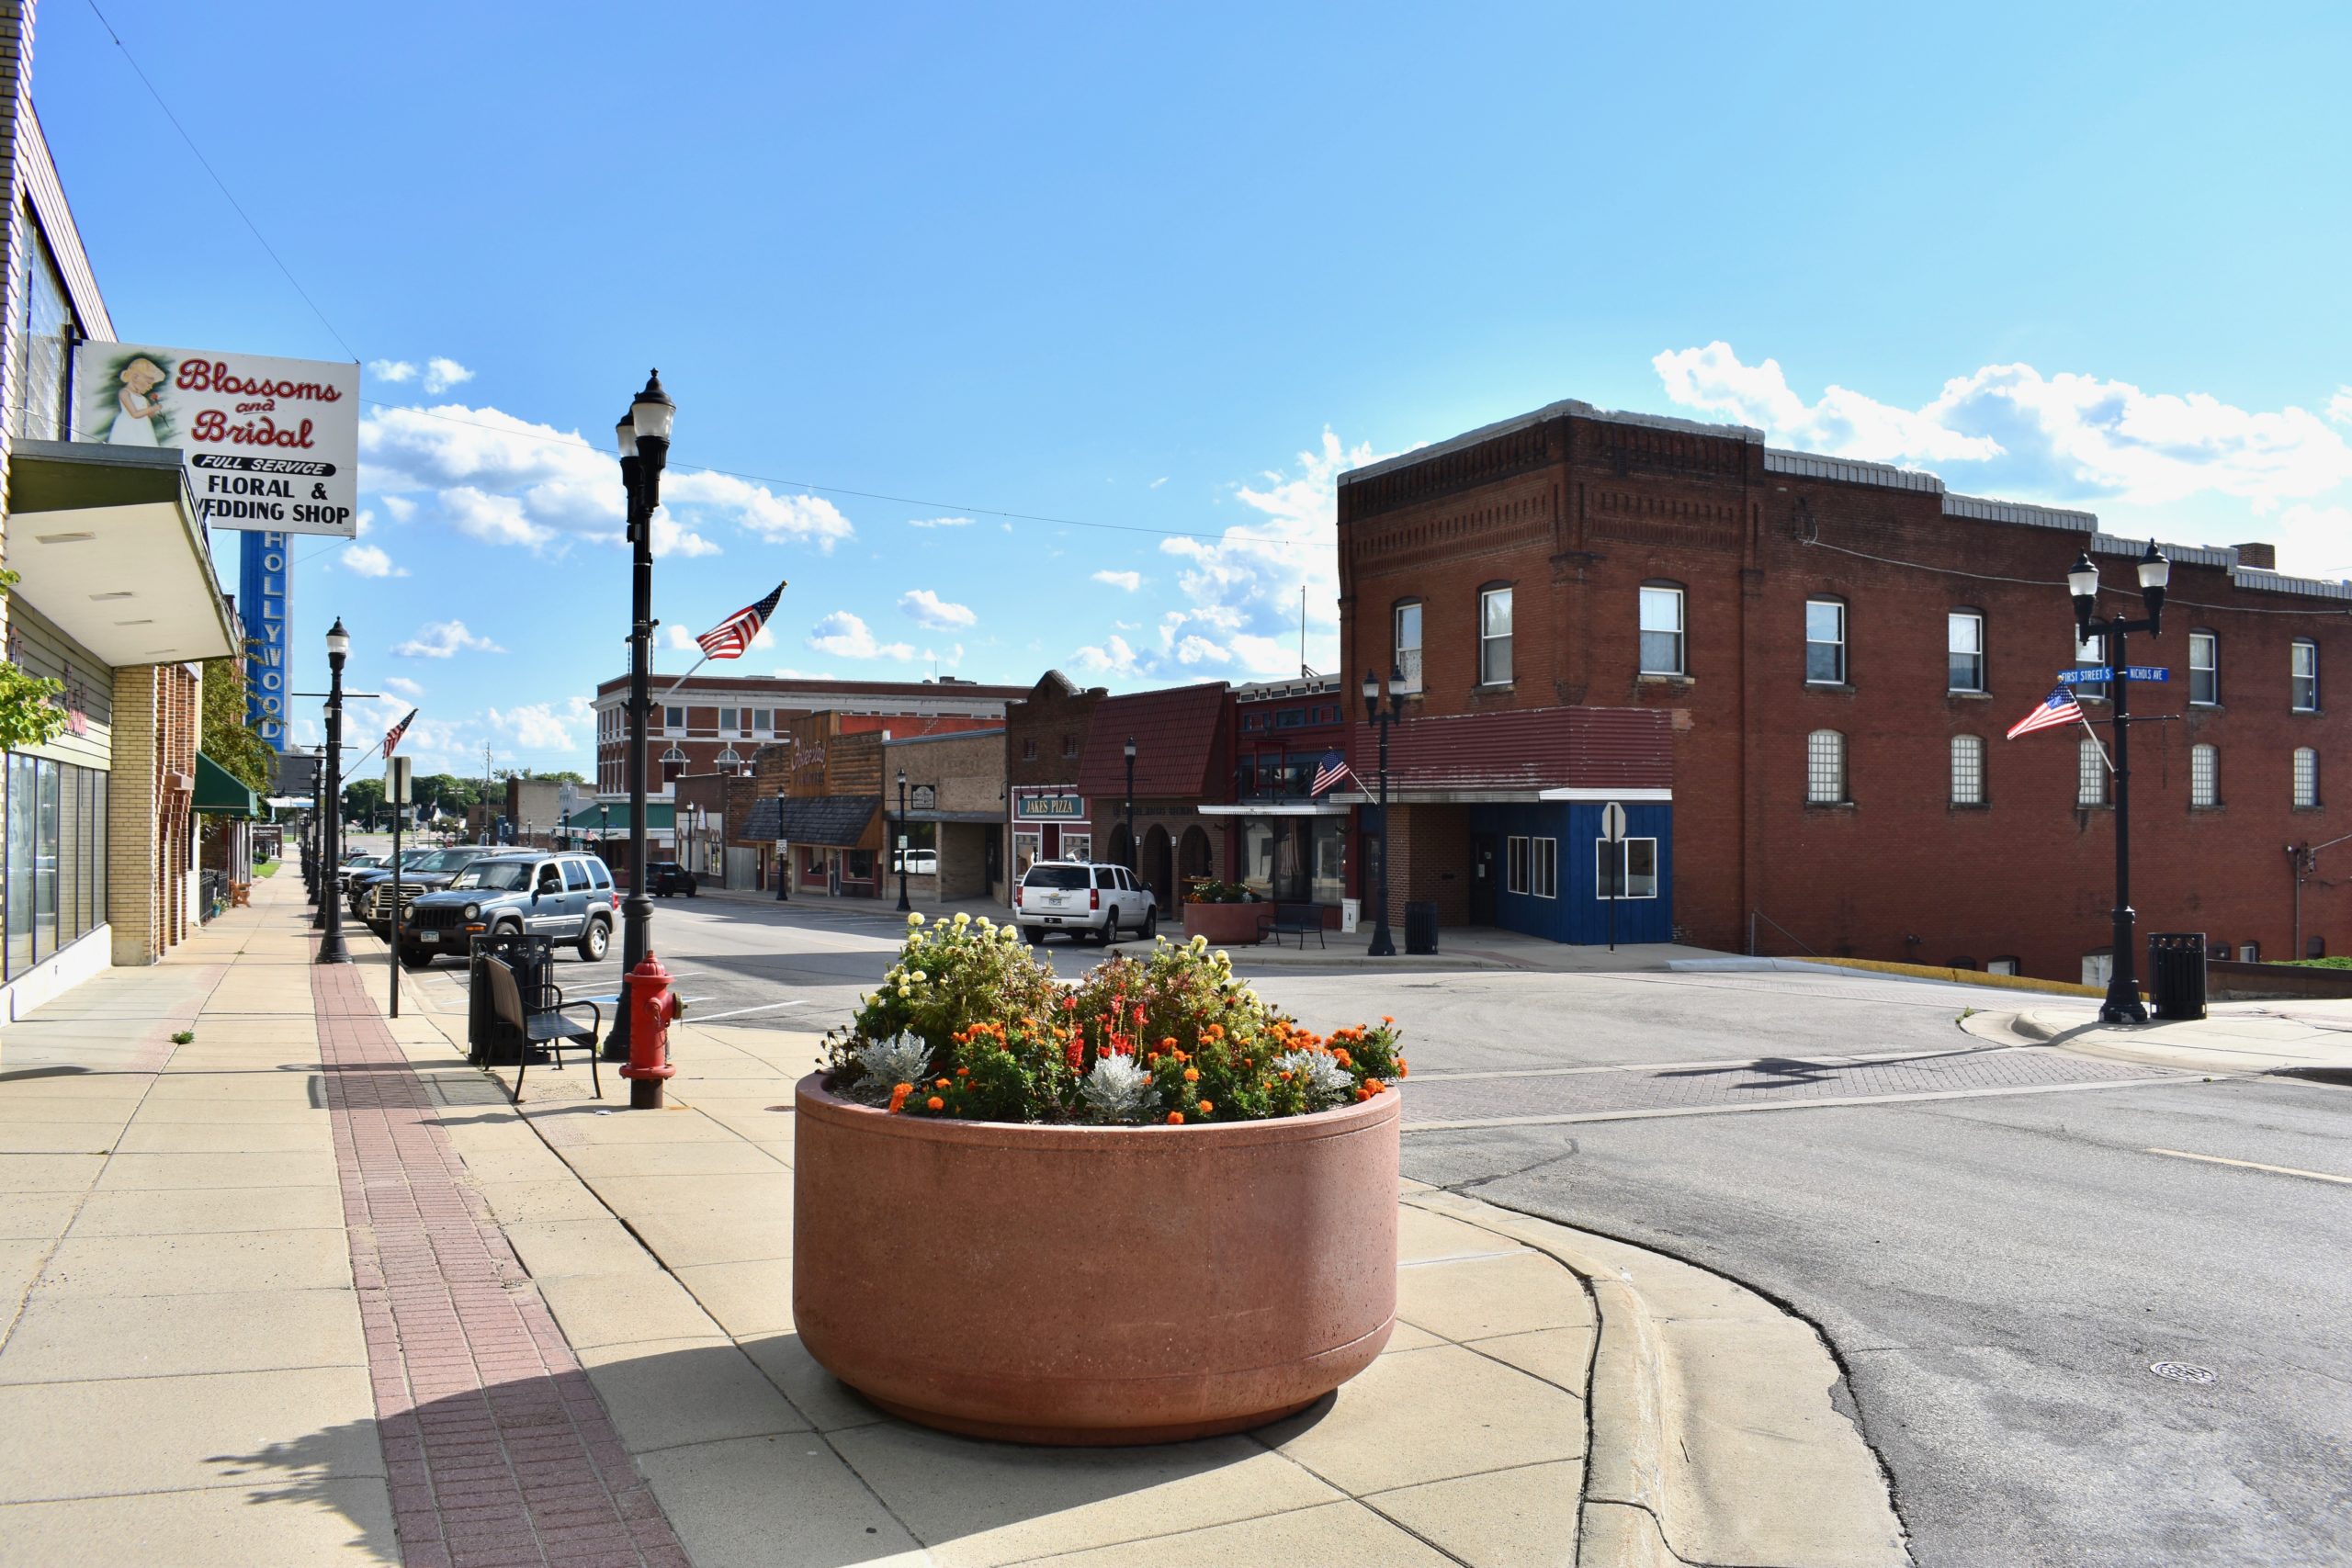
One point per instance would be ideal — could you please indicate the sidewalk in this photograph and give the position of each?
(310, 1289)
(2296, 1038)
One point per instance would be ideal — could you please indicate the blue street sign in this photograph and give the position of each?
(2096, 672)
(2146, 672)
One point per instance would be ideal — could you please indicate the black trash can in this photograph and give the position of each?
(1420, 926)
(2176, 974)
(533, 960)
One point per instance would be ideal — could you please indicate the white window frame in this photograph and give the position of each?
(1625, 858)
(2204, 775)
(677, 725)
(1973, 747)
(1813, 762)
(728, 719)
(2302, 675)
(2306, 778)
(2211, 668)
(1845, 663)
(1515, 864)
(1406, 655)
(1543, 868)
(2090, 652)
(1953, 621)
(1671, 596)
(1488, 638)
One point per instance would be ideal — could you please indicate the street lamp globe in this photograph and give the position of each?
(1395, 688)
(653, 413)
(1130, 749)
(2156, 567)
(1371, 692)
(625, 434)
(338, 640)
(2082, 578)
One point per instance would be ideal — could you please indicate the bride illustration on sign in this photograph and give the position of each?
(130, 409)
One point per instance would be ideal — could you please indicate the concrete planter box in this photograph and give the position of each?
(1093, 1285)
(1226, 925)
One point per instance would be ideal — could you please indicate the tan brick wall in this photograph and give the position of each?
(150, 827)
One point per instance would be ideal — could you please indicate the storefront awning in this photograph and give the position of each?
(111, 550)
(220, 793)
(1328, 806)
(661, 817)
(825, 821)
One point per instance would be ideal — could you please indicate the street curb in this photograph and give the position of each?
(1713, 1435)
(2029, 1029)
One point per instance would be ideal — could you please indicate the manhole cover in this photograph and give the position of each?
(2182, 1371)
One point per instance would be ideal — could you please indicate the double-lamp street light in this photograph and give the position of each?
(643, 437)
(331, 948)
(1383, 719)
(2122, 1004)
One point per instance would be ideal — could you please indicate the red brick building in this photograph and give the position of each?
(714, 723)
(1045, 739)
(1834, 650)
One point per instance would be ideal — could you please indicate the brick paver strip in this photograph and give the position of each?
(497, 1449)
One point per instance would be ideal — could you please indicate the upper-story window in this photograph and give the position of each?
(2091, 773)
(2204, 776)
(1029, 751)
(1825, 642)
(1494, 637)
(727, 718)
(2204, 669)
(1290, 718)
(2306, 776)
(1968, 770)
(1069, 745)
(763, 720)
(1662, 629)
(1253, 721)
(1408, 645)
(1964, 651)
(2303, 667)
(1825, 768)
(729, 761)
(2090, 653)
(45, 346)
(673, 762)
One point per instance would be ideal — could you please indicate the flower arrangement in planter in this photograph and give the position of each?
(1150, 1206)
(971, 1024)
(1211, 891)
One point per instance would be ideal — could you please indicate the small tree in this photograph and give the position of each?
(228, 739)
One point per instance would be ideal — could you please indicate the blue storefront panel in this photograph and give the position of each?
(1548, 870)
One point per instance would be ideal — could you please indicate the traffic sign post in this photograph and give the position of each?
(398, 787)
(1613, 833)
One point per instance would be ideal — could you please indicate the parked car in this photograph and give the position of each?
(1083, 899)
(664, 877)
(426, 872)
(355, 862)
(569, 897)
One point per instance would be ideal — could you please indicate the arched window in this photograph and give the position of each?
(2091, 773)
(728, 761)
(1405, 620)
(1662, 626)
(673, 762)
(1825, 642)
(2204, 776)
(1825, 768)
(1964, 650)
(1968, 770)
(2306, 776)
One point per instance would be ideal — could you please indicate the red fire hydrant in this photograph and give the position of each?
(652, 1007)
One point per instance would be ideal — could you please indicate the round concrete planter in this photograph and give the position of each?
(1226, 925)
(1092, 1285)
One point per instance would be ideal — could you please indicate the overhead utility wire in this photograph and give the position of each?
(2038, 582)
(133, 62)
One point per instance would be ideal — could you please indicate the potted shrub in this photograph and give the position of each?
(1224, 914)
(1146, 1208)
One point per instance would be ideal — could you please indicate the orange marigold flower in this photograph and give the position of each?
(1341, 1057)
(940, 1084)
(936, 1103)
(1374, 1085)
(1168, 1044)
(1286, 1077)
(1175, 1119)
(1214, 1032)
(1400, 1068)
(1069, 1004)
(963, 1072)
(1386, 1018)
(1206, 1108)
(1151, 1059)
(1192, 1074)
(898, 1096)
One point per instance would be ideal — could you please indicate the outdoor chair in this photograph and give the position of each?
(546, 1026)
(1293, 919)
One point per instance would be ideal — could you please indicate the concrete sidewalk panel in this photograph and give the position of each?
(1335, 1535)
(1432, 1414)
(198, 1265)
(1505, 1519)
(47, 1137)
(666, 1393)
(1478, 1298)
(557, 1249)
(321, 1525)
(748, 1299)
(22, 1174)
(981, 1505)
(78, 1338)
(147, 1136)
(761, 1502)
(190, 1172)
(596, 1309)
(829, 1404)
(217, 1210)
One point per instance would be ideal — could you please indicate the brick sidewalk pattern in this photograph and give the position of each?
(498, 1452)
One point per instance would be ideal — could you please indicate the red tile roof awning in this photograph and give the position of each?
(1181, 752)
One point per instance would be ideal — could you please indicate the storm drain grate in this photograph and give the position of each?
(2182, 1371)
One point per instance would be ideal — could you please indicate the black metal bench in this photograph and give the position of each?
(543, 1025)
(1293, 919)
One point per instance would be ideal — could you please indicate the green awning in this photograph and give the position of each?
(218, 792)
(661, 817)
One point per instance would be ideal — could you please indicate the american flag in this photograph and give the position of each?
(2060, 707)
(731, 636)
(1329, 771)
(392, 739)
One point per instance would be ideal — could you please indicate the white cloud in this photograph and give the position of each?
(440, 373)
(1114, 657)
(367, 560)
(1196, 650)
(1130, 581)
(939, 521)
(2315, 541)
(2339, 407)
(2067, 436)
(510, 482)
(1157, 483)
(402, 685)
(444, 640)
(391, 370)
(535, 726)
(844, 635)
(940, 614)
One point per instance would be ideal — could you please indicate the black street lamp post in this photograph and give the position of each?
(2122, 1004)
(330, 950)
(314, 841)
(643, 437)
(1131, 805)
(1382, 720)
(900, 839)
(783, 853)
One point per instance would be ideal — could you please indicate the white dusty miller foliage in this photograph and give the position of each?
(1327, 1083)
(1117, 1090)
(885, 1065)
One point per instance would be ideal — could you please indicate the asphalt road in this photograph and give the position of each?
(1984, 1235)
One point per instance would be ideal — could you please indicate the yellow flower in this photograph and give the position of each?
(962, 919)
(915, 919)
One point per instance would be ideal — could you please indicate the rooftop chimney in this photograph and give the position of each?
(2264, 556)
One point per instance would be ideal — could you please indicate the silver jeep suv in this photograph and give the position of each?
(569, 897)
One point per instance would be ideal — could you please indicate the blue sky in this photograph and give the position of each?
(1172, 269)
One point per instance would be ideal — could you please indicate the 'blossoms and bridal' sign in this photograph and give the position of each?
(271, 444)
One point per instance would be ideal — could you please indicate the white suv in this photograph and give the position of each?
(1077, 898)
